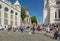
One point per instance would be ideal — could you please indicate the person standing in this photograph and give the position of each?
(48, 29)
(38, 28)
(58, 35)
(33, 30)
(56, 31)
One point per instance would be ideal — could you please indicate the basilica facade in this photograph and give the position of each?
(10, 14)
(51, 11)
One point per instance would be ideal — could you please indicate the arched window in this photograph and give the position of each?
(27, 19)
(11, 22)
(0, 21)
(16, 13)
(59, 13)
(0, 13)
(6, 15)
(55, 15)
(6, 9)
(12, 11)
(0, 6)
(6, 21)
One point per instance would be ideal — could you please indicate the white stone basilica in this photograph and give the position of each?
(10, 14)
(51, 12)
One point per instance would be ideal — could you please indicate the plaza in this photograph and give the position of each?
(25, 36)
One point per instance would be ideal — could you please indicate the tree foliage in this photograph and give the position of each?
(23, 13)
(33, 19)
(12, 2)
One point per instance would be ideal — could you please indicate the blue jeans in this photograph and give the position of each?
(33, 32)
(55, 36)
(59, 36)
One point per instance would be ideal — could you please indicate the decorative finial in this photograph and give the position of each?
(17, 3)
(2, 0)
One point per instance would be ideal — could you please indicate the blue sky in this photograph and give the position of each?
(35, 8)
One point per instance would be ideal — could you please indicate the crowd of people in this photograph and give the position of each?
(29, 29)
(32, 29)
(55, 30)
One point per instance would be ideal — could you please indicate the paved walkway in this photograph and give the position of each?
(19, 36)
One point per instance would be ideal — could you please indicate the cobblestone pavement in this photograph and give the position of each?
(19, 36)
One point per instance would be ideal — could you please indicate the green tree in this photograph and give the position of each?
(23, 13)
(12, 2)
(33, 19)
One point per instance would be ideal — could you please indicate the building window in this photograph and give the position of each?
(5, 15)
(16, 13)
(11, 16)
(11, 22)
(0, 21)
(27, 19)
(0, 6)
(16, 18)
(59, 13)
(15, 23)
(5, 21)
(0, 13)
(55, 15)
(12, 11)
(6, 9)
